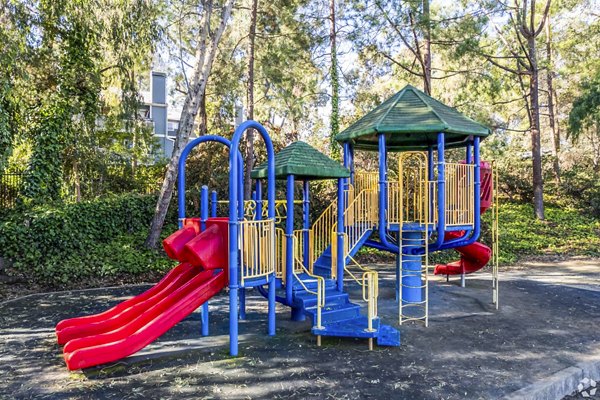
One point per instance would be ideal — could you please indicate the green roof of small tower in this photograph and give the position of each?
(303, 161)
(411, 120)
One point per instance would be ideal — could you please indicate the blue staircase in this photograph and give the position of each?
(322, 265)
(339, 317)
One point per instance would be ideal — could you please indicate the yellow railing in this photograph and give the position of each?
(280, 253)
(366, 180)
(460, 194)
(257, 249)
(408, 199)
(321, 235)
(320, 292)
(359, 217)
(370, 292)
(495, 237)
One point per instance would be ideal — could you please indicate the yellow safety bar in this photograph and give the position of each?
(370, 293)
(359, 217)
(321, 235)
(408, 198)
(495, 237)
(257, 249)
(460, 204)
(320, 293)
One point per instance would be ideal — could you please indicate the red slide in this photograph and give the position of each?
(472, 258)
(135, 323)
(476, 255)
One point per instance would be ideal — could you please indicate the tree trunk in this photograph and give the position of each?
(335, 84)
(536, 147)
(205, 55)
(427, 48)
(250, 102)
(552, 104)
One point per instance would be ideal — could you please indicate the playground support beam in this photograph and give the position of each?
(383, 195)
(235, 208)
(203, 219)
(340, 262)
(306, 225)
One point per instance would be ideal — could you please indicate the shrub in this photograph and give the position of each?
(72, 241)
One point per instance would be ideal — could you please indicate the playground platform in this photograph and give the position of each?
(548, 322)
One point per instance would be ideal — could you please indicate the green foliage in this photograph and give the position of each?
(57, 244)
(566, 232)
(585, 113)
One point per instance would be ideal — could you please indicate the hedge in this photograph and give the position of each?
(71, 241)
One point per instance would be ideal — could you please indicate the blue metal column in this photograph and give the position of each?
(297, 313)
(340, 262)
(306, 225)
(411, 267)
(213, 203)
(203, 218)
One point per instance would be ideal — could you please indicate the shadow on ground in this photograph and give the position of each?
(469, 350)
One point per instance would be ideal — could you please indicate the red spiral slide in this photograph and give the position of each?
(475, 256)
(133, 324)
(472, 258)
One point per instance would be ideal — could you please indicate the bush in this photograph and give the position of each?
(69, 242)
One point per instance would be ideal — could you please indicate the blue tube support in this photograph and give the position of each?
(289, 239)
(306, 224)
(340, 262)
(213, 204)
(411, 269)
(383, 195)
(258, 194)
(203, 219)
(271, 313)
(235, 186)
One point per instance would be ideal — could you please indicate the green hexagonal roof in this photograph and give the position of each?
(411, 120)
(304, 162)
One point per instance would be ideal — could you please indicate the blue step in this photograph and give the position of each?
(388, 336)
(311, 283)
(334, 313)
(306, 300)
(322, 265)
(355, 327)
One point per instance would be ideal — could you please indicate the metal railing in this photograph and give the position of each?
(321, 235)
(370, 292)
(320, 292)
(257, 249)
(359, 218)
(460, 201)
(408, 198)
(495, 237)
(280, 242)
(366, 180)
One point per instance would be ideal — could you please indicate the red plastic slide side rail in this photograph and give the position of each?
(148, 326)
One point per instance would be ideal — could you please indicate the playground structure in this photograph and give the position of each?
(418, 204)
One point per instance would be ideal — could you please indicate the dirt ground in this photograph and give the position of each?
(548, 320)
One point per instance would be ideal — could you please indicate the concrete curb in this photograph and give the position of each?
(559, 385)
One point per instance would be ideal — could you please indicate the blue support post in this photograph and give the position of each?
(236, 213)
(258, 194)
(411, 268)
(306, 224)
(203, 218)
(340, 262)
(383, 196)
(213, 204)
(271, 312)
(297, 313)
(441, 191)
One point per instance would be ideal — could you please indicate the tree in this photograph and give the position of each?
(250, 100)
(206, 40)
(334, 123)
(518, 56)
(552, 100)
